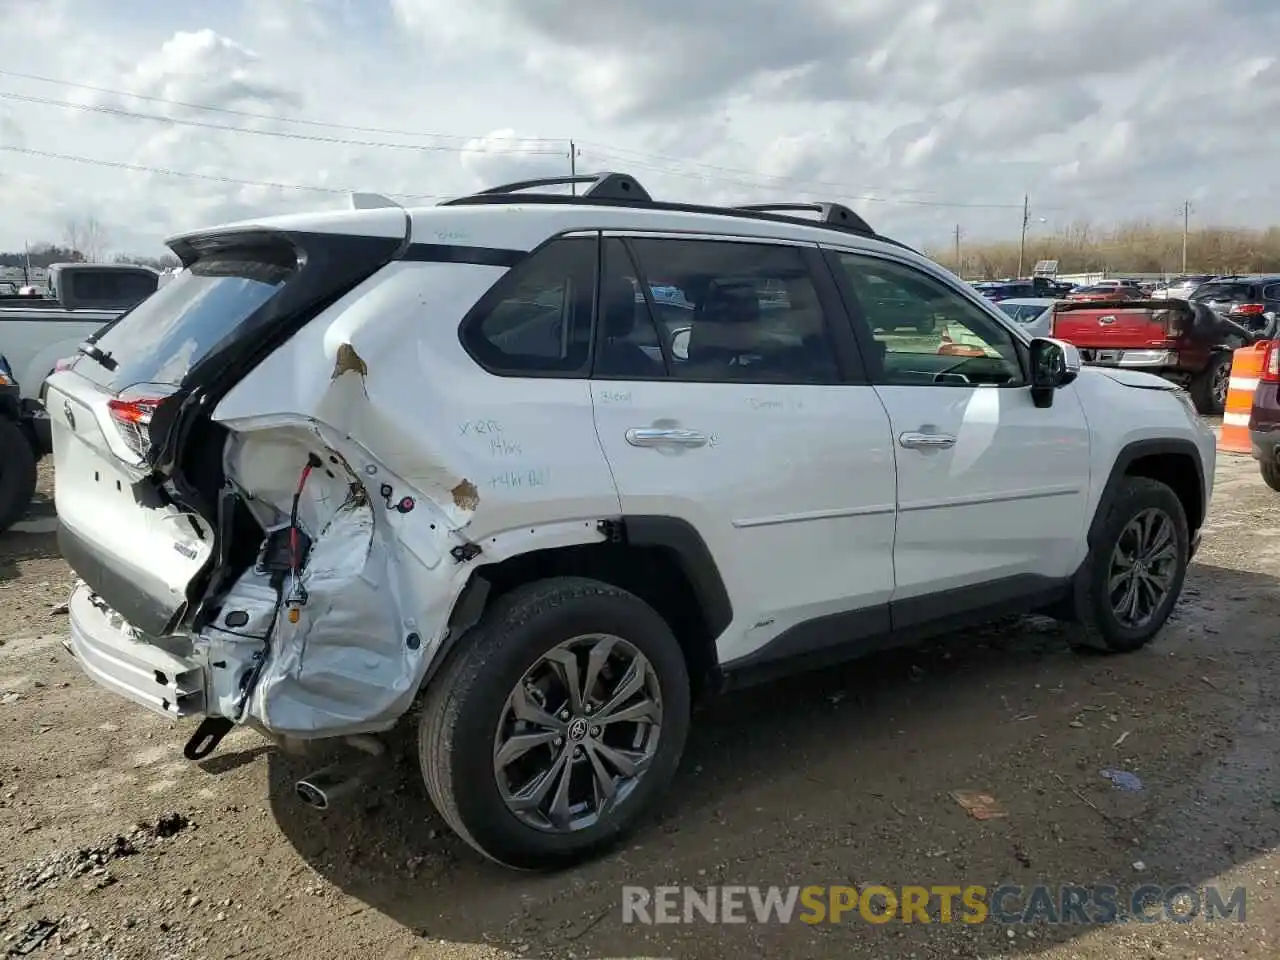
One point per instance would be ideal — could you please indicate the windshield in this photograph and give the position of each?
(1225, 291)
(162, 338)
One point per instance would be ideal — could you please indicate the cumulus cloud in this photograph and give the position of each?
(921, 115)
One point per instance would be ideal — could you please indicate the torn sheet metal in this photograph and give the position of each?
(347, 665)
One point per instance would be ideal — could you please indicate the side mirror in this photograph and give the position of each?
(680, 343)
(1054, 364)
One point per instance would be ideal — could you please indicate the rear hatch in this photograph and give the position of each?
(1120, 324)
(132, 522)
(1238, 300)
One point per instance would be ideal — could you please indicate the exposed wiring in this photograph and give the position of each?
(297, 593)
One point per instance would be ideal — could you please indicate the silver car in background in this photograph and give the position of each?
(1180, 288)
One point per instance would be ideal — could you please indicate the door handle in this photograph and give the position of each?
(926, 441)
(665, 437)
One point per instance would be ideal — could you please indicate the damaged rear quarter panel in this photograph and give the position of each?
(381, 390)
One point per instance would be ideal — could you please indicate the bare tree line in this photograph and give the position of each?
(84, 240)
(1136, 247)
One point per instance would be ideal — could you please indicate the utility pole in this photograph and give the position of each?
(1186, 224)
(958, 270)
(573, 165)
(1026, 218)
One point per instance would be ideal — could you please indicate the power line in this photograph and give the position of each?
(846, 189)
(545, 146)
(251, 115)
(628, 156)
(282, 134)
(189, 174)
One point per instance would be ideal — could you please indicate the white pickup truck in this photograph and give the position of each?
(36, 331)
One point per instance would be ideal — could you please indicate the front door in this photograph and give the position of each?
(729, 398)
(992, 490)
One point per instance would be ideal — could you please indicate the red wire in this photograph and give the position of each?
(293, 527)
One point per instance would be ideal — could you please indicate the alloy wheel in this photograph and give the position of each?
(1221, 383)
(577, 733)
(1143, 567)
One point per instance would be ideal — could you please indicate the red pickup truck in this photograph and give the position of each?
(1179, 340)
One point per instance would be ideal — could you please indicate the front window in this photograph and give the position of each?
(925, 333)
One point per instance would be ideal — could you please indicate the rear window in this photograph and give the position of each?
(187, 319)
(1229, 292)
(112, 286)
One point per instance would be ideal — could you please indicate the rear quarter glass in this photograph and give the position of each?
(198, 311)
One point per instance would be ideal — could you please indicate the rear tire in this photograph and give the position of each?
(1271, 474)
(17, 474)
(1101, 596)
(1209, 387)
(468, 722)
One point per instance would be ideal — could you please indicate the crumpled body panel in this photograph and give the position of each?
(346, 665)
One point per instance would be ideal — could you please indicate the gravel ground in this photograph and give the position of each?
(119, 848)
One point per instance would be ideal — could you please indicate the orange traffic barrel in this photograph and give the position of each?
(1246, 368)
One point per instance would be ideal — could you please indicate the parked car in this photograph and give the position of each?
(999, 290)
(1182, 341)
(1034, 313)
(540, 522)
(1180, 287)
(1264, 418)
(1252, 302)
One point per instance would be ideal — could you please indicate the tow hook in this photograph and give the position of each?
(207, 737)
(339, 780)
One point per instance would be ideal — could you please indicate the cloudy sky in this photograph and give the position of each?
(921, 115)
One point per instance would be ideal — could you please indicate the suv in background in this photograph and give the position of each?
(1252, 302)
(345, 464)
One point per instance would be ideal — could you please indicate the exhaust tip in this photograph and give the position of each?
(311, 795)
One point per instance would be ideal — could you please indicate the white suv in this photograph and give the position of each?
(554, 467)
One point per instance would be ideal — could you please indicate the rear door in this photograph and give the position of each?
(749, 420)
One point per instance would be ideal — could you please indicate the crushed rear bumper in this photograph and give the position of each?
(105, 647)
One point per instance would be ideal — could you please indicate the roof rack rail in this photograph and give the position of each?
(832, 214)
(604, 186)
(620, 189)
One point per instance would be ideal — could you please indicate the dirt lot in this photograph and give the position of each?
(117, 847)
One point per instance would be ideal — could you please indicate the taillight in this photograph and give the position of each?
(133, 419)
(1248, 309)
(1271, 363)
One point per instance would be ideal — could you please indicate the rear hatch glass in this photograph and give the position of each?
(187, 319)
(1227, 292)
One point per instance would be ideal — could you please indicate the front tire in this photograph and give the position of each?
(17, 474)
(1131, 579)
(546, 738)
